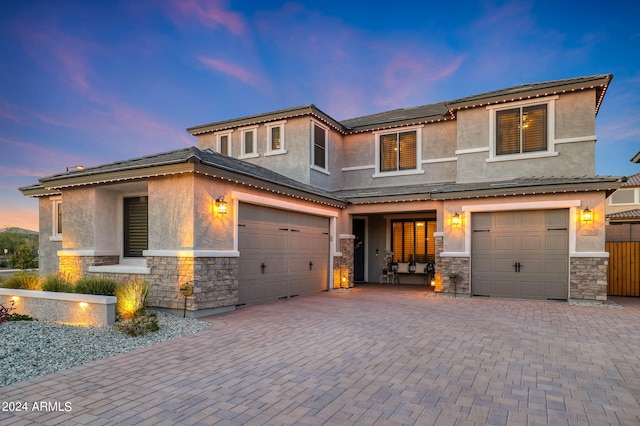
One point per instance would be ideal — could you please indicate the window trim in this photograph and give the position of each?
(56, 201)
(636, 197)
(314, 166)
(549, 101)
(219, 142)
(282, 149)
(253, 154)
(378, 158)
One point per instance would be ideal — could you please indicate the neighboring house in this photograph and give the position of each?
(623, 206)
(492, 187)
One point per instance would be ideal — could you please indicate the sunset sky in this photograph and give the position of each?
(92, 82)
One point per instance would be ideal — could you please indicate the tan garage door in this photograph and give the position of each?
(521, 254)
(282, 254)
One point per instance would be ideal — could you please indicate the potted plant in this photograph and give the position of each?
(455, 278)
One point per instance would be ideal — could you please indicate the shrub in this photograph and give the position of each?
(25, 258)
(20, 317)
(132, 299)
(145, 323)
(3, 263)
(93, 285)
(23, 281)
(57, 283)
(5, 313)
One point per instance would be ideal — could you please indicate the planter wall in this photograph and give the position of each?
(67, 308)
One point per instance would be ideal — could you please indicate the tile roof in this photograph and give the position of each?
(633, 180)
(420, 114)
(628, 214)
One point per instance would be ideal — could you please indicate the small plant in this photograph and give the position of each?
(3, 263)
(23, 281)
(98, 286)
(57, 283)
(145, 323)
(25, 258)
(132, 299)
(20, 317)
(5, 312)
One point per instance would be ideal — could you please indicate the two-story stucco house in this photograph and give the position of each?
(497, 189)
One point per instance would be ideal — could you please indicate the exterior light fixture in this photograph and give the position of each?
(75, 168)
(83, 305)
(587, 215)
(221, 205)
(455, 219)
(15, 298)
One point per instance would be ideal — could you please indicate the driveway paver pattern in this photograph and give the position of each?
(371, 355)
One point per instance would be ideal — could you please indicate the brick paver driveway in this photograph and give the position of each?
(372, 355)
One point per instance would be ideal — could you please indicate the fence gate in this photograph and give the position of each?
(624, 268)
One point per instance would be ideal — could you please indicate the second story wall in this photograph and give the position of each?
(364, 164)
(560, 139)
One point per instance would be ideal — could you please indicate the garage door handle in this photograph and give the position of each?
(262, 266)
(310, 265)
(517, 265)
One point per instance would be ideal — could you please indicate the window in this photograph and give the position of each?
(136, 226)
(319, 146)
(412, 239)
(275, 138)
(625, 196)
(224, 144)
(521, 130)
(249, 143)
(56, 204)
(398, 151)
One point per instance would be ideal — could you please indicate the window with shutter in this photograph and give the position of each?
(412, 239)
(521, 130)
(319, 147)
(136, 226)
(398, 151)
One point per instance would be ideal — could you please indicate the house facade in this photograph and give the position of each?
(498, 191)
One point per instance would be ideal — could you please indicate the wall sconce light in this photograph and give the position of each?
(455, 219)
(221, 205)
(587, 215)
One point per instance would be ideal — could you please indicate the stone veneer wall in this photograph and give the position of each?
(439, 239)
(214, 280)
(588, 278)
(459, 265)
(343, 265)
(75, 267)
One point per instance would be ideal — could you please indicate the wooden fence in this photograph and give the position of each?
(624, 268)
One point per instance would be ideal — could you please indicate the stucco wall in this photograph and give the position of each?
(171, 212)
(574, 118)
(79, 218)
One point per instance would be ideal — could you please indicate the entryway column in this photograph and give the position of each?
(343, 265)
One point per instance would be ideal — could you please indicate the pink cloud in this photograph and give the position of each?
(211, 14)
(236, 71)
(20, 217)
(34, 153)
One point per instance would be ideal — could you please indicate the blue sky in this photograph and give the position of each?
(91, 82)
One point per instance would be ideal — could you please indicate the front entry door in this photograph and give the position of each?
(358, 254)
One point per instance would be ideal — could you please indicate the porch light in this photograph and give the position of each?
(221, 205)
(455, 219)
(587, 215)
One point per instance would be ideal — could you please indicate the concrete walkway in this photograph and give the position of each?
(372, 355)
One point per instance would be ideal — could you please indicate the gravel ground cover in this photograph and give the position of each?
(30, 349)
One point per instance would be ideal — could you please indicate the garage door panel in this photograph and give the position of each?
(536, 240)
(504, 242)
(531, 242)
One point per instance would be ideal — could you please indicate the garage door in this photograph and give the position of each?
(521, 254)
(282, 254)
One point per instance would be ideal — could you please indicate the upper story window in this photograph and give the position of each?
(625, 197)
(319, 141)
(398, 151)
(223, 143)
(522, 129)
(275, 138)
(249, 142)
